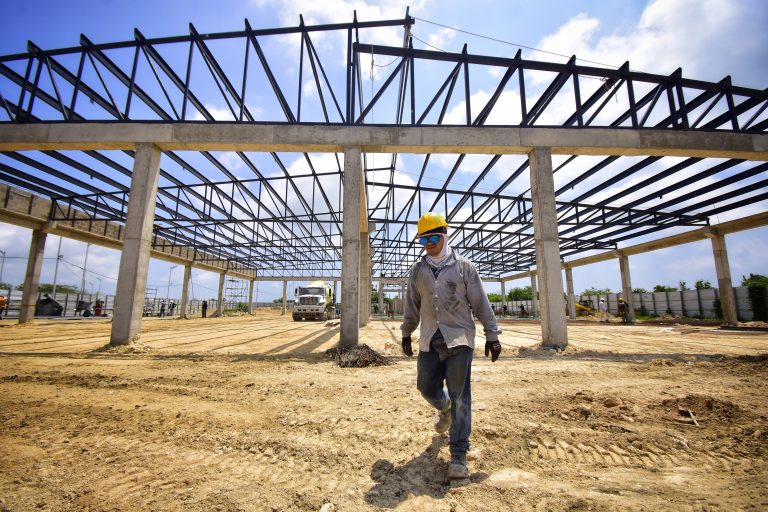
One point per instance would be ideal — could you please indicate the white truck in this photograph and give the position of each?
(315, 301)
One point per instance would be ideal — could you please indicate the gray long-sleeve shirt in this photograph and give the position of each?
(444, 302)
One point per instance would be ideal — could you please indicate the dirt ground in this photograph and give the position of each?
(247, 413)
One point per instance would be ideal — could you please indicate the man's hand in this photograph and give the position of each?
(494, 347)
(407, 350)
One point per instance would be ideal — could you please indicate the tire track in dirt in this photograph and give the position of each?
(540, 449)
(178, 462)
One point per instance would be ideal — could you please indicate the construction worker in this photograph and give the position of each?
(623, 313)
(602, 307)
(441, 289)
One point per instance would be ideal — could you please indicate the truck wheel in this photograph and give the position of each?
(296, 317)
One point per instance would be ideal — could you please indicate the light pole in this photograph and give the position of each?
(98, 292)
(2, 265)
(56, 268)
(85, 265)
(168, 290)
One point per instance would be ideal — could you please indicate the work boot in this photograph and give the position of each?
(458, 468)
(443, 422)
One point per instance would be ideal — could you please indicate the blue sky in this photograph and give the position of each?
(709, 39)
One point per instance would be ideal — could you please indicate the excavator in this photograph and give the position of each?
(585, 308)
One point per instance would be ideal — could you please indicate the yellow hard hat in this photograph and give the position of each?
(431, 221)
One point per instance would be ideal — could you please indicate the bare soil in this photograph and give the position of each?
(248, 413)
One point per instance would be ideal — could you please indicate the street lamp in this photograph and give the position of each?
(168, 290)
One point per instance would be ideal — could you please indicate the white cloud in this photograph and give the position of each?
(439, 40)
(691, 34)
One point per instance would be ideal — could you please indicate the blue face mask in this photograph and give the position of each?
(429, 239)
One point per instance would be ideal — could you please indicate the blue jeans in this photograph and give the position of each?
(455, 370)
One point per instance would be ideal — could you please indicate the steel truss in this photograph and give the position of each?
(281, 214)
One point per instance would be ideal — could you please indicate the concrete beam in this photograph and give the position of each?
(24, 209)
(285, 298)
(696, 235)
(201, 136)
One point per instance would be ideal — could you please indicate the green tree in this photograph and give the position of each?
(494, 297)
(5, 286)
(639, 290)
(520, 293)
(683, 286)
(703, 285)
(756, 284)
(664, 288)
(48, 288)
(596, 291)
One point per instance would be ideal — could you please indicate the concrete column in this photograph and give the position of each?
(350, 254)
(365, 279)
(571, 295)
(184, 305)
(534, 300)
(285, 297)
(32, 276)
(554, 330)
(134, 260)
(250, 296)
(381, 297)
(503, 296)
(723, 270)
(626, 286)
(220, 302)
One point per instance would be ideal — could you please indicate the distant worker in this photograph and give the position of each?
(97, 308)
(623, 312)
(204, 307)
(441, 289)
(523, 312)
(171, 308)
(602, 307)
(3, 306)
(162, 308)
(493, 308)
(504, 310)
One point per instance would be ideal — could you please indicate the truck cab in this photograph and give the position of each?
(315, 301)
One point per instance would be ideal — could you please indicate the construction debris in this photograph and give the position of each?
(358, 356)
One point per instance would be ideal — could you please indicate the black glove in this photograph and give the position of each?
(407, 350)
(494, 347)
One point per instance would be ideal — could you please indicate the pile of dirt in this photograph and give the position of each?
(134, 347)
(540, 350)
(705, 408)
(359, 356)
